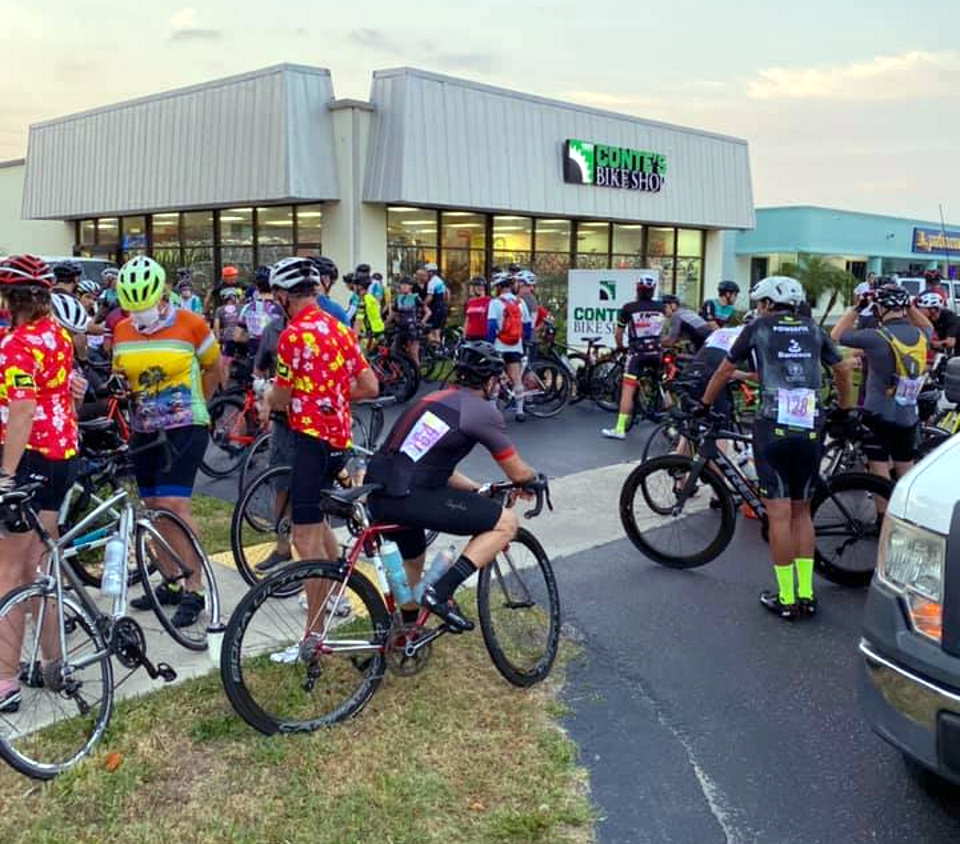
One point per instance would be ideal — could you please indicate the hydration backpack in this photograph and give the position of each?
(511, 323)
(910, 362)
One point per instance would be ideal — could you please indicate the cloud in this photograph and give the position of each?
(375, 39)
(909, 75)
(421, 52)
(183, 18)
(196, 35)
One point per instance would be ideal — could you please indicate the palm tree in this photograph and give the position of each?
(821, 278)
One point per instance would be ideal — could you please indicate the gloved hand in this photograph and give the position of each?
(701, 410)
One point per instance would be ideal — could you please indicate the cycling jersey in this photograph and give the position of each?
(255, 316)
(163, 370)
(372, 321)
(192, 303)
(437, 288)
(643, 321)
(325, 303)
(353, 306)
(686, 325)
(475, 318)
(430, 439)
(713, 311)
(228, 316)
(788, 351)
(317, 358)
(408, 310)
(35, 361)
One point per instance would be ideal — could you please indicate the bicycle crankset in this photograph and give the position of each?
(129, 645)
(406, 653)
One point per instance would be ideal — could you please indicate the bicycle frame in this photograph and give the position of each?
(735, 479)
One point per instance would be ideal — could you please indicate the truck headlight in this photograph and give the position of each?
(910, 561)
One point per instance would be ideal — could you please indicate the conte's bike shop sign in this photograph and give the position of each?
(604, 166)
(594, 299)
(936, 240)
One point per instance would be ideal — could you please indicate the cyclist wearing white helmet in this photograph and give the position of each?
(944, 321)
(70, 313)
(787, 351)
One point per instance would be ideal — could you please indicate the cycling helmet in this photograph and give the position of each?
(480, 281)
(229, 272)
(430, 267)
(86, 285)
(669, 299)
(140, 284)
(67, 270)
(184, 274)
(478, 361)
(362, 269)
(69, 313)
(108, 273)
(779, 289)
(294, 274)
(326, 267)
(929, 300)
(728, 287)
(893, 297)
(25, 271)
(647, 281)
(362, 280)
(527, 277)
(230, 293)
(500, 279)
(513, 269)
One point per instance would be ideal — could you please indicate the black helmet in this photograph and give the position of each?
(892, 297)
(478, 361)
(66, 270)
(480, 281)
(326, 267)
(669, 299)
(262, 273)
(184, 274)
(362, 269)
(728, 287)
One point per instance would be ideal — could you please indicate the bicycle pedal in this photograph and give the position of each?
(165, 672)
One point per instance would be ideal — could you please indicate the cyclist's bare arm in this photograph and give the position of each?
(365, 386)
(427, 313)
(19, 423)
(460, 481)
(918, 319)
(842, 380)
(210, 378)
(618, 337)
(516, 470)
(844, 324)
(719, 380)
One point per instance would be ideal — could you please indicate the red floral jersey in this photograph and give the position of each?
(316, 359)
(36, 361)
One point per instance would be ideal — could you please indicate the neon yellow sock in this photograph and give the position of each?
(622, 420)
(804, 576)
(785, 582)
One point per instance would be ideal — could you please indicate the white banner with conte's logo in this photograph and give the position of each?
(594, 299)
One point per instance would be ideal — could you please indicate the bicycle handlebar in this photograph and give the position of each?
(539, 486)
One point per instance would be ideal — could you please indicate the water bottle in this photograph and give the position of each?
(114, 567)
(396, 575)
(438, 568)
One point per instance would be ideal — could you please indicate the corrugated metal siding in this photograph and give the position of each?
(254, 138)
(442, 141)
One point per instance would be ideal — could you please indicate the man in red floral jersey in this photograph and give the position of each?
(39, 440)
(319, 370)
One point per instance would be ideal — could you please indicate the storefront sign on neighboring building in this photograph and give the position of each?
(594, 298)
(588, 163)
(936, 240)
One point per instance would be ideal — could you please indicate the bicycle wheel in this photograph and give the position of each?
(519, 611)
(546, 389)
(256, 460)
(663, 439)
(63, 713)
(232, 435)
(398, 377)
(670, 531)
(605, 384)
(167, 554)
(847, 527)
(287, 667)
(261, 525)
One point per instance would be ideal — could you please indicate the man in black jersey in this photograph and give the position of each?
(422, 489)
(787, 350)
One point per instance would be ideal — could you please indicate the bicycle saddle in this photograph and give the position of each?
(591, 339)
(340, 502)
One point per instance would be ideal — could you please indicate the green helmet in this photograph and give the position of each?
(140, 284)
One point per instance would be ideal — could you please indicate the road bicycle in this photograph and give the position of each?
(596, 374)
(292, 666)
(65, 644)
(397, 374)
(669, 518)
(234, 424)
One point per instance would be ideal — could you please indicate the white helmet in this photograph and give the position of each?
(70, 313)
(294, 272)
(779, 289)
(527, 277)
(930, 299)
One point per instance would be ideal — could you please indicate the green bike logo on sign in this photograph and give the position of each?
(600, 165)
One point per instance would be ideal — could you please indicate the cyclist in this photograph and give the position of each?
(436, 300)
(931, 281)
(225, 322)
(375, 287)
(328, 277)
(319, 369)
(944, 322)
(422, 489)
(68, 274)
(39, 437)
(720, 311)
(257, 314)
(509, 327)
(368, 320)
(189, 300)
(896, 352)
(229, 278)
(108, 278)
(353, 300)
(683, 324)
(409, 314)
(171, 361)
(643, 321)
(788, 350)
(476, 308)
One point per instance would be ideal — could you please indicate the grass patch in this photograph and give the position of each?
(453, 754)
(213, 518)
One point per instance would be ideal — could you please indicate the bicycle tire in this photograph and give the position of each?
(265, 528)
(240, 671)
(16, 727)
(675, 465)
(552, 386)
(663, 439)
(605, 384)
(193, 637)
(827, 559)
(255, 461)
(493, 582)
(222, 458)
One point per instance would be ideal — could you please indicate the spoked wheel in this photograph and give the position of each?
(65, 703)
(847, 526)
(257, 460)
(293, 664)
(261, 526)
(546, 389)
(167, 554)
(232, 435)
(670, 523)
(663, 439)
(519, 611)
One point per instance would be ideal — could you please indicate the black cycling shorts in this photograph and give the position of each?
(57, 476)
(887, 441)
(454, 511)
(281, 452)
(438, 317)
(787, 460)
(159, 478)
(638, 362)
(315, 468)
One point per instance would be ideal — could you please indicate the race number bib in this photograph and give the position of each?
(907, 391)
(647, 324)
(723, 338)
(424, 436)
(796, 408)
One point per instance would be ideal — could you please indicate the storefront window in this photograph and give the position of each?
(593, 243)
(553, 236)
(660, 243)
(512, 234)
(665, 265)
(88, 232)
(198, 228)
(690, 281)
(458, 266)
(166, 230)
(690, 243)
(274, 226)
(309, 226)
(236, 227)
(108, 231)
(240, 257)
(412, 227)
(406, 260)
(628, 239)
(463, 230)
(133, 237)
(551, 269)
(199, 259)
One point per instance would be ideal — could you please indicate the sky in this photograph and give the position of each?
(853, 106)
